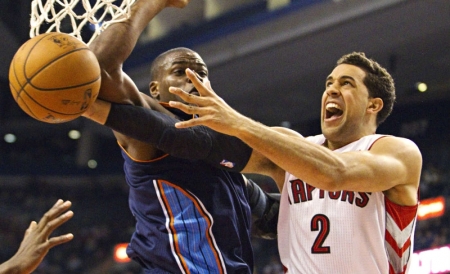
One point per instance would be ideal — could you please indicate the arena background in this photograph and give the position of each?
(269, 60)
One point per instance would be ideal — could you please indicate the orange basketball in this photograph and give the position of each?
(54, 77)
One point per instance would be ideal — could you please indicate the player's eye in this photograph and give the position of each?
(178, 72)
(202, 74)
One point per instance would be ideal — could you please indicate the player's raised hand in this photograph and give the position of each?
(36, 242)
(212, 110)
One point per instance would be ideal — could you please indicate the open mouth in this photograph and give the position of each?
(332, 110)
(194, 92)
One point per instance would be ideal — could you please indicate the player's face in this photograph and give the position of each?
(344, 103)
(173, 74)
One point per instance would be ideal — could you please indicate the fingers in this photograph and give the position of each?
(54, 241)
(53, 218)
(188, 98)
(30, 228)
(204, 90)
(188, 123)
(202, 86)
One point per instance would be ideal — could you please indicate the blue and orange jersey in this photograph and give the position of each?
(190, 217)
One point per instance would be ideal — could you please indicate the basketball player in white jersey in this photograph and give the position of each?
(349, 196)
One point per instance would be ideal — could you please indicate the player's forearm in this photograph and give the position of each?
(307, 161)
(98, 111)
(117, 42)
(200, 143)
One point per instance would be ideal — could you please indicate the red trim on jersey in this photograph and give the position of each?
(402, 215)
(381, 137)
(402, 219)
(391, 269)
(399, 250)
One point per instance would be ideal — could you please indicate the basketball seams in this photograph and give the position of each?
(13, 63)
(29, 79)
(27, 57)
(36, 72)
(52, 110)
(50, 62)
(22, 104)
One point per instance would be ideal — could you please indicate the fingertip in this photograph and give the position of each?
(67, 203)
(32, 224)
(58, 202)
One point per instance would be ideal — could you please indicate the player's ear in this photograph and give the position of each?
(375, 105)
(154, 89)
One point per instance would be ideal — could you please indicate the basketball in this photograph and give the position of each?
(54, 77)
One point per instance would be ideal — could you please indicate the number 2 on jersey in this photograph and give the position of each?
(320, 223)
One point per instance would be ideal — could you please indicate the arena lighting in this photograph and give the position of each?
(422, 87)
(92, 164)
(431, 208)
(10, 138)
(120, 254)
(74, 134)
(431, 261)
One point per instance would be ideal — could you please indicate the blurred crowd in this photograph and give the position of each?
(101, 221)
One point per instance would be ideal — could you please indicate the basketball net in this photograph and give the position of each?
(70, 16)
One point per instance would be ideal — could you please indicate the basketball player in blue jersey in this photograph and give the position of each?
(191, 216)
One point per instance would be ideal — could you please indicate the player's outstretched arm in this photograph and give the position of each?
(36, 242)
(392, 163)
(157, 129)
(113, 46)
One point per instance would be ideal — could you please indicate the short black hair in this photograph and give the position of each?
(159, 60)
(378, 81)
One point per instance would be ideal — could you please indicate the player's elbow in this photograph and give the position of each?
(332, 184)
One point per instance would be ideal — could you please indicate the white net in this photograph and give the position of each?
(83, 19)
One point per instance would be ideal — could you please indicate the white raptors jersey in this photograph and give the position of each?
(344, 231)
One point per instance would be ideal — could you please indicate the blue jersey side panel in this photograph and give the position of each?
(190, 217)
(189, 227)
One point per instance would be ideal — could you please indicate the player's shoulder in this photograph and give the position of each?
(397, 145)
(392, 140)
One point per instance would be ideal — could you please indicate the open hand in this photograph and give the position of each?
(36, 242)
(212, 110)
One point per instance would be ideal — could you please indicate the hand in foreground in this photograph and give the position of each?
(36, 242)
(212, 110)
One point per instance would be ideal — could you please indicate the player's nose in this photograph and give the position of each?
(332, 90)
(198, 77)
